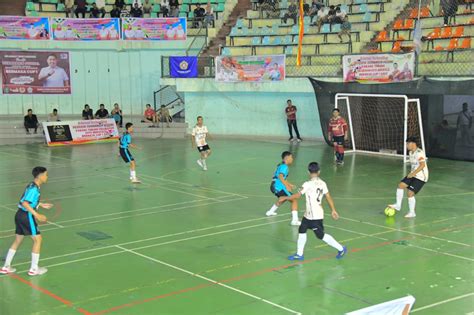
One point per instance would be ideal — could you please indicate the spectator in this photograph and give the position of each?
(209, 18)
(69, 8)
(117, 115)
(80, 8)
(322, 18)
(87, 113)
(149, 116)
(164, 115)
(115, 12)
(290, 111)
(94, 12)
(101, 7)
(292, 13)
(174, 8)
(339, 17)
(345, 29)
(147, 7)
(31, 122)
(306, 8)
(315, 7)
(464, 124)
(124, 12)
(120, 4)
(449, 9)
(54, 116)
(165, 7)
(270, 7)
(102, 112)
(331, 13)
(199, 14)
(136, 11)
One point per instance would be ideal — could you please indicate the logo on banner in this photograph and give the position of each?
(183, 67)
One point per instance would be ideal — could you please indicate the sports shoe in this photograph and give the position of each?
(394, 206)
(204, 168)
(410, 215)
(299, 140)
(136, 181)
(295, 257)
(270, 213)
(295, 223)
(291, 139)
(6, 270)
(199, 162)
(342, 253)
(37, 272)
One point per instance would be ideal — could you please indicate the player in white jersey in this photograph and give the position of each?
(415, 180)
(315, 189)
(199, 135)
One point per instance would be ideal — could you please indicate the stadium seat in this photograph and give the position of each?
(276, 41)
(234, 31)
(275, 29)
(453, 44)
(326, 28)
(156, 8)
(240, 23)
(466, 43)
(90, 1)
(266, 40)
(413, 13)
(363, 8)
(398, 25)
(256, 41)
(436, 33)
(244, 31)
(459, 32)
(30, 6)
(425, 12)
(367, 17)
(60, 7)
(225, 51)
(345, 8)
(360, 1)
(289, 50)
(336, 28)
(409, 24)
(397, 47)
(295, 29)
(287, 40)
(382, 36)
(447, 32)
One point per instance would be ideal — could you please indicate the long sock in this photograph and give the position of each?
(328, 239)
(133, 174)
(10, 255)
(337, 156)
(301, 243)
(342, 156)
(204, 162)
(273, 209)
(294, 215)
(411, 204)
(399, 198)
(34, 261)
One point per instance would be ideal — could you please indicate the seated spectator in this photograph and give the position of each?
(147, 7)
(165, 7)
(115, 12)
(94, 12)
(209, 18)
(69, 8)
(449, 9)
(102, 112)
(199, 14)
(339, 17)
(120, 4)
(101, 7)
(87, 113)
(117, 115)
(80, 8)
(136, 11)
(31, 122)
(306, 8)
(315, 7)
(164, 115)
(149, 115)
(292, 13)
(345, 29)
(174, 8)
(322, 18)
(331, 13)
(54, 116)
(269, 7)
(124, 12)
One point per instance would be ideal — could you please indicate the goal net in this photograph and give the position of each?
(380, 124)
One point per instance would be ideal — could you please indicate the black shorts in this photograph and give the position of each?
(315, 225)
(414, 184)
(281, 193)
(25, 223)
(204, 148)
(126, 155)
(338, 139)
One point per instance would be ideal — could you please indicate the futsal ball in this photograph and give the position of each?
(389, 212)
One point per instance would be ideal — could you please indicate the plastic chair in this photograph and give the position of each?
(287, 40)
(453, 44)
(363, 8)
(289, 50)
(397, 47)
(256, 41)
(398, 25)
(425, 12)
(459, 32)
(336, 28)
(367, 17)
(447, 32)
(409, 24)
(266, 40)
(413, 13)
(276, 41)
(240, 23)
(466, 43)
(326, 28)
(382, 36)
(436, 33)
(225, 51)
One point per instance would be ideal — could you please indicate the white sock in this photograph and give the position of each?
(203, 162)
(411, 204)
(399, 198)
(10, 255)
(34, 261)
(273, 209)
(301, 243)
(294, 215)
(133, 174)
(328, 239)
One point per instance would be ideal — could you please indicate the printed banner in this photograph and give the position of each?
(85, 29)
(80, 132)
(183, 67)
(35, 72)
(21, 27)
(395, 307)
(154, 29)
(250, 68)
(379, 68)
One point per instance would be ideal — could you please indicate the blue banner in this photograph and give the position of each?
(183, 67)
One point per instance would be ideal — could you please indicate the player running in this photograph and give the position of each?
(337, 134)
(198, 140)
(315, 189)
(125, 142)
(282, 188)
(413, 181)
(26, 225)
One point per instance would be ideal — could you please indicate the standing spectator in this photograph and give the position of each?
(164, 116)
(464, 124)
(165, 7)
(209, 18)
(69, 6)
(101, 7)
(290, 111)
(147, 7)
(102, 112)
(87, 113)
(115, 12)
(449, 9)
(80, 8)
(120, 4)
(136, 11)
(149, 116)
(198, 15)
(117, 115)
(31, 122)
(292, 13)
(54, 116)
(345, 29)
(174, 8)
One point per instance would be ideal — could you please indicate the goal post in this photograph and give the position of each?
(381, 123)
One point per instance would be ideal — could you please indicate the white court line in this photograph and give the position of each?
(209, 280)
(57, 180)
(441, 302)
(49, 222)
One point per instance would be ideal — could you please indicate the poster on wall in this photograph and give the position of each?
(35, 72)
(154, 29)
(250, 68)
(379, 68)
(21, 27)
(85, 29)
(60, 133)
(184, 67)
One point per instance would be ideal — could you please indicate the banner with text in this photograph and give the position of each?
(85, 29)
(379, 68)
(21, 27)
(250, 68)
(35, 72)
(154, 29)
(80, 132)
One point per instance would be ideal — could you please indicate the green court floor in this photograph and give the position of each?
(192, 242)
